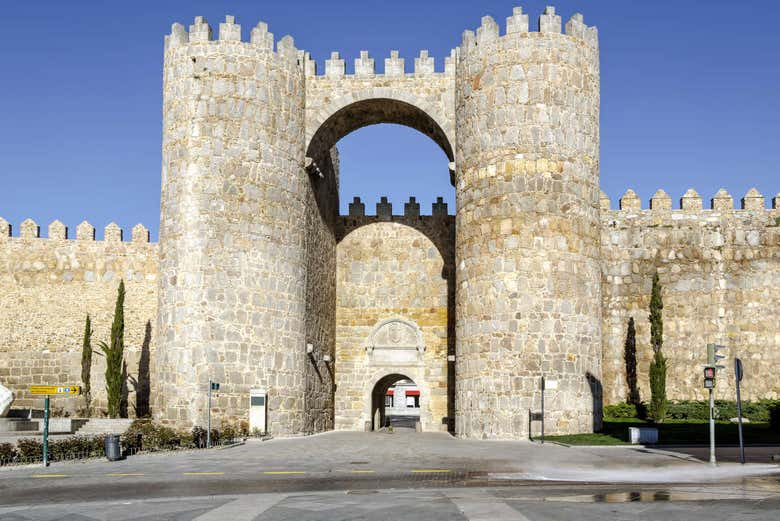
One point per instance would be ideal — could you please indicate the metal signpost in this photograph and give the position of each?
(710, 370)
(46, 391)
(542, 410)
(546, 384)
(213, 386)
(738, 378)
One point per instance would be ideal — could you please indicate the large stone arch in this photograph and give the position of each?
(336, 107)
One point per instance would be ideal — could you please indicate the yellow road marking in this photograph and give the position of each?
(121, 474)
(50, 475)
(203, 473)
(423, 471)
(274, 472)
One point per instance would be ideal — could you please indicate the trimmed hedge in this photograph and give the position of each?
(756, 411)
(31, 449)
(146, 435)
(774, 417)
(143, 435)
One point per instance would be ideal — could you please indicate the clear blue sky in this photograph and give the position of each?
(690, 97)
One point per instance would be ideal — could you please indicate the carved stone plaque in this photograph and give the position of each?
(395, 340)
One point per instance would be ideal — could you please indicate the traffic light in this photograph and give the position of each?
(713, 357)
(709, 377)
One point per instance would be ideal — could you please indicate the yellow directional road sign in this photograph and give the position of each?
(55, 389)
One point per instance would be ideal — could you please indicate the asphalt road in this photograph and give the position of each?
(400, 476)
(754, 500)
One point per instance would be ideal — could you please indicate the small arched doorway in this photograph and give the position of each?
(395, 402)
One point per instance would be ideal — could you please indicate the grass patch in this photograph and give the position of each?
(674, 432)
(595, 438)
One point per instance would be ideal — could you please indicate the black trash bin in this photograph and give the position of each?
(113, 451)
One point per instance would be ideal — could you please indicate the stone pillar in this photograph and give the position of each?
(527, 244)
(232, 258)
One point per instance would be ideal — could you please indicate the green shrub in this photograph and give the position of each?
(620, 410)
(29, 449)
(756, 411)
(186, 440)
(76, 447)
(7, 453)
(199, 436)
(228, 433)
(143, 434)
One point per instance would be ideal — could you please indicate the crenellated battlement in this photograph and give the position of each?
(518, 25)
(394, 66)
(691, 201)
(384, 209)
(200, 32)
(57, 231)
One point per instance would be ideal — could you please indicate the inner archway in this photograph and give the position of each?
(394, 269)
(395, 402)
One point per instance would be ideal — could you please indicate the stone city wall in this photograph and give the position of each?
(390, 267)
(47, 287)
(720, 272)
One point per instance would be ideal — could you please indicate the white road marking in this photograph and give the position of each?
(483, 507)
(244, 508)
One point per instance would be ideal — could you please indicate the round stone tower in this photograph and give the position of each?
(527, 246)
(232, 259)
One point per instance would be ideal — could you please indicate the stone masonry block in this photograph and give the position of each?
(112, 233)
(722, 201)
(394, 65)
(691, 200)
(412, 209)
(229, 30)
(58, 231)
(575, 27)
(549, 22)
(364, 66)
(85, 232)
(200, 30)
(140, 233)
(5, 229)
(357, 208)
(29, 229)
(261, 37)
(439, 208)
(518, 22)
(384, 209)
(604, 202)
(630, 201)
(335, 67)
(423, 65)
(753, 200)
(661, 201)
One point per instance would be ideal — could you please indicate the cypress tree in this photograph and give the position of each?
(658, 365)
(114, 354)
(630, 357)
(86, 365)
